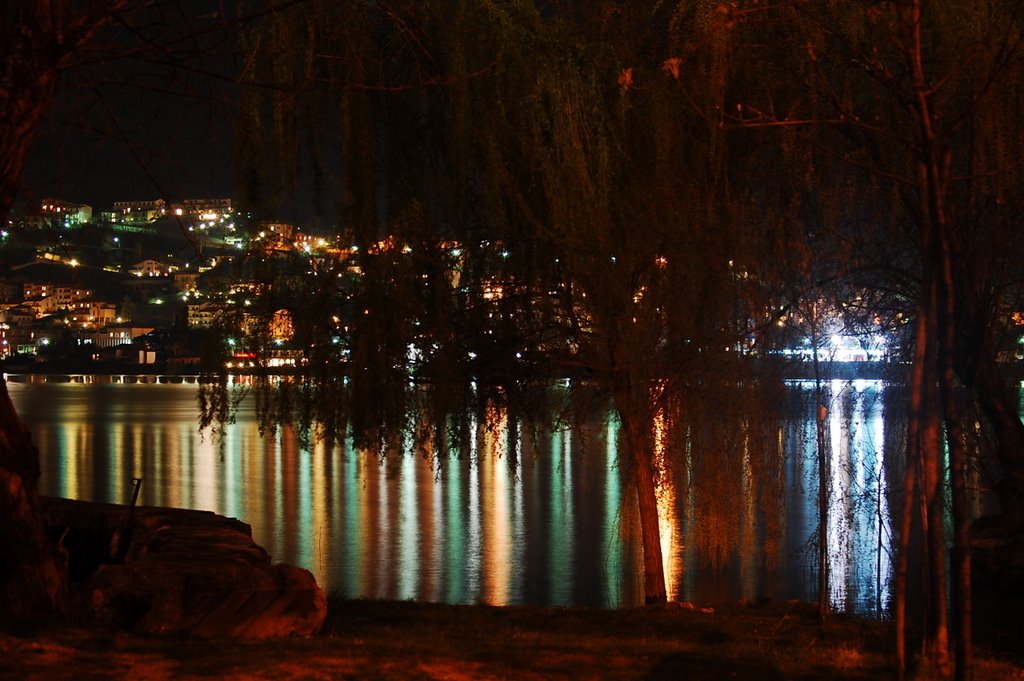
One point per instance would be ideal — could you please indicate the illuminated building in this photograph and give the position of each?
(135, 212)
(203, 315)
(117, 334)
(152, 268)
(204, 209)
(60, 213)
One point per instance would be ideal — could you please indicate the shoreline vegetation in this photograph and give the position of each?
(410, 640)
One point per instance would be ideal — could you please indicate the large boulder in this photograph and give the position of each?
(163, 570)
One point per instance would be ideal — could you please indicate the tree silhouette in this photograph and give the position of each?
(906, 105)
(524, 196)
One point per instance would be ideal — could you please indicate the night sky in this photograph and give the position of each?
(173, 153)
(129, 126)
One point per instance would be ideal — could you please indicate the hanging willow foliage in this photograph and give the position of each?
(513, 209)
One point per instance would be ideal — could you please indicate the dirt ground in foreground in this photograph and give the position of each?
(388, 640)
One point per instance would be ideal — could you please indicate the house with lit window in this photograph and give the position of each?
(205, 209)
(48, 299)
(91, 314)
(139, 212)
(24, 339)
(58, 213)
(204, 315)
(113, 335)
(35, 290)
(66, 297)
(18, 315)
(152, 268)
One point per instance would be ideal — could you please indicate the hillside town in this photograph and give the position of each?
(137, 289)
(130, 289)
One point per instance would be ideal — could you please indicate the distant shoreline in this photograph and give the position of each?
(101, 378)
(894, 372)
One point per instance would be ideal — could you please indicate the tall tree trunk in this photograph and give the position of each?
(933, 222)
(641, 453)
(956, 443)
(911, 481)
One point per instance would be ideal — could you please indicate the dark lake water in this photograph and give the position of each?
(552, 523)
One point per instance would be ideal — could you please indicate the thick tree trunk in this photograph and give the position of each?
(650, 528)
(933, 173)
(912, 476)
(638, 440)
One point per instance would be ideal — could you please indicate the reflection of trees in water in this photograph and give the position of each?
(864, 443)
(868, 448)
(551, 507)
(863, 537)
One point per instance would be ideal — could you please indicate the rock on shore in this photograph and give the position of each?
(161, 570)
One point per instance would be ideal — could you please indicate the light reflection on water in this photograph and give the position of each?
(519, 520)
(859, 527)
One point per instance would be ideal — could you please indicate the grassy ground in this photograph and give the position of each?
(388, 640)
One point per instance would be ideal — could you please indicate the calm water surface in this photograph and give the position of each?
(551, 522)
